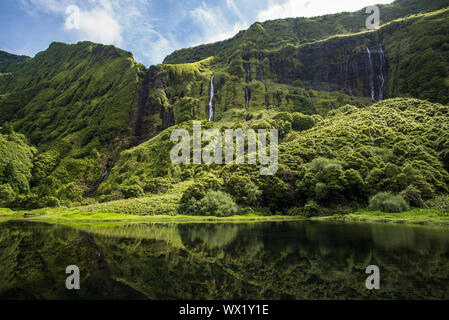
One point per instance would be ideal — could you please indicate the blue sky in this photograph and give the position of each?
(150, 29)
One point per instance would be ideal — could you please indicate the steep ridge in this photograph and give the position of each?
(10, 62)
(80, 105)
(316, 77)
(296, 31)
(86, 106)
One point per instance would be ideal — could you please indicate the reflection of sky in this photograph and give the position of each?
(150, 29)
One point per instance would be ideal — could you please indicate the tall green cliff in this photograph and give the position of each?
(82, 116)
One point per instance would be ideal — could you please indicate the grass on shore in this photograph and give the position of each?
(414, 216)
(77, 215)
(162, 208)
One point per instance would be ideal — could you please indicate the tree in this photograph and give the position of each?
(388, 202)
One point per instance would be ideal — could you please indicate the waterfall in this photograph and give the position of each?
(248, 72)
(247, 98)
(211, 101)
(169, 118)
(267, 98)
(381, 73)
(345, 77)
(97, 184)
(261, 67)
(371, 73)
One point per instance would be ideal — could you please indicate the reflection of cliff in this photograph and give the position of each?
(34, 259)
(160, 232)
(224, 261)
(208, 235)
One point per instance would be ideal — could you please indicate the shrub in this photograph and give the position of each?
(284, 116)
(243, 190)
(33, 201)
(413, 196)
(302, 122)
(191, 197)
(275, 193)
(311, 209)
(72, 192)
(7, 195)
(132, 191)
(217, 203)
(321, 191)
(388, 202)
(295, 211)
(50, 202)
(196, 191)
(213, 203)
(156, 185)
(441, 203)
(113, 196)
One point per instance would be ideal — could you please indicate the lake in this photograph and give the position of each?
(282, 260)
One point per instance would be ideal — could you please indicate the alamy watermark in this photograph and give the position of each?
(73, 281)
(72, 20)
(373, 281)
(373, 21)
(212, 153)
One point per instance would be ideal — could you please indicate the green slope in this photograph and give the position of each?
(78, 104)
(16, 164)
(340, 162)
(273, 34)
(10, 62)
(98, 119)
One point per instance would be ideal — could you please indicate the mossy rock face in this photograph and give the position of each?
(271, 35)
(321, 60)
(80, 105)
(84, 107)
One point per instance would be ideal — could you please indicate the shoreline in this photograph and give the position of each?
(75, 216)
(424, 217)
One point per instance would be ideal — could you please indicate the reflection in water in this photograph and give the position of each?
(294, 260)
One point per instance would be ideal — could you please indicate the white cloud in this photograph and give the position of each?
(312, 8)
(32, 7)
(231, 5)
(130, 24)
(100, 25)
(213, 24)
(123, 23)
(100, 21)
(153, 46)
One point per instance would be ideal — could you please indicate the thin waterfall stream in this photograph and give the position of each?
(381, 73)
(211, 101)
(371, 73)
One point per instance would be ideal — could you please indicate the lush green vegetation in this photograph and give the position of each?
(271, 35)
(75, 103)
(415, 216)
(86, 126)
(10, 62)
(340, 162)
(387, 202)
(16, 165)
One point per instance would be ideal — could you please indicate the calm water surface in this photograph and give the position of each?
(288, 260)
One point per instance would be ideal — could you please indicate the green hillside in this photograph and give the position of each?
(16, 165)
(360, 113)
(273, 34)
(78, 105)
(340, 161)
(10, 62)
